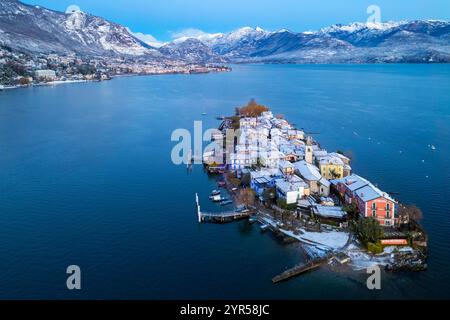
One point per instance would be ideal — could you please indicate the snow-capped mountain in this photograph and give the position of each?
(36, 29)
(404, 41)
(238, 42)
(190, 50)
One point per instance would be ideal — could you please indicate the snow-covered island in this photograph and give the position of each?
(293, 186)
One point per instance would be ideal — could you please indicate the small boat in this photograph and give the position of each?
(220, 118)
(216, 198)
(219, 198)
(433, 147)
(204, 114)
(226, 202)
(215, 192)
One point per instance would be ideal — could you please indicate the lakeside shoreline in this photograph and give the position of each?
(112, 77)
(322, 242)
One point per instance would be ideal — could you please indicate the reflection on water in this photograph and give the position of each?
(86, 179)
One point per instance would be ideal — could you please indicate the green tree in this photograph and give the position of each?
(281, 203)
(369, 230)
(269, 195)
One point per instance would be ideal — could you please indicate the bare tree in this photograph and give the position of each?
(410, 212)
(246, 197)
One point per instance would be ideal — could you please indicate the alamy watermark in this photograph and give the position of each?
(374, 13)
(73, 282)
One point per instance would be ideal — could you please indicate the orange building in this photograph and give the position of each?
(372, 202)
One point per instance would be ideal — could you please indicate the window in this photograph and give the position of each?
(388, 206)
(388, 215)
(374, 213)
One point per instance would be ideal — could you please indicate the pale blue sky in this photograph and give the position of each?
(163, 18)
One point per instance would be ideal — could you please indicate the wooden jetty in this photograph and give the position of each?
(219, 217)
(301, 269)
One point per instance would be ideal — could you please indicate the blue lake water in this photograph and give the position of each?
(86, 178)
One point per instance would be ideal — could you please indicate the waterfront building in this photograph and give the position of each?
(372, 202)
(48, 75)
(347, 186)
(369, 200)
(292, 189)
(263, 179)
(331, 167)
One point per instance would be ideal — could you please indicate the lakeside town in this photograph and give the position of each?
(23, 70)
(280, 177)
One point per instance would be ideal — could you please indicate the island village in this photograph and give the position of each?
(281, 178)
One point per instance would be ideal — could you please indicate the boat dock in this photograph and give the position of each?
(301, 269)
(219, 217)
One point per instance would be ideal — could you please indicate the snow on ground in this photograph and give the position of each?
(314, 251)
(318, 244)
(324, 241)
(361, 260)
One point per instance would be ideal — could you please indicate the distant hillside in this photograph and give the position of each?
(39, 30)
(407, 41)
(33, 29)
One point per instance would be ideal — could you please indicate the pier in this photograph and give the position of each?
(219, 217)
(301, 269)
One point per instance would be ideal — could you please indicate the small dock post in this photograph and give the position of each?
(199, 214)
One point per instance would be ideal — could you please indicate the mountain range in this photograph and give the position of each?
(35, 30)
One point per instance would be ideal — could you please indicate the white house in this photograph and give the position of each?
(292, 189)
(48, 75)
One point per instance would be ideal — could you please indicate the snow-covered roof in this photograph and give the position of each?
(370, 192)
(353, 182)
(331, 160)
(343, 158)
(286, 186)
(330, 212)
(283, 164)
(320, 153)
(325, 182)
(264, 172)
(308, 171)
